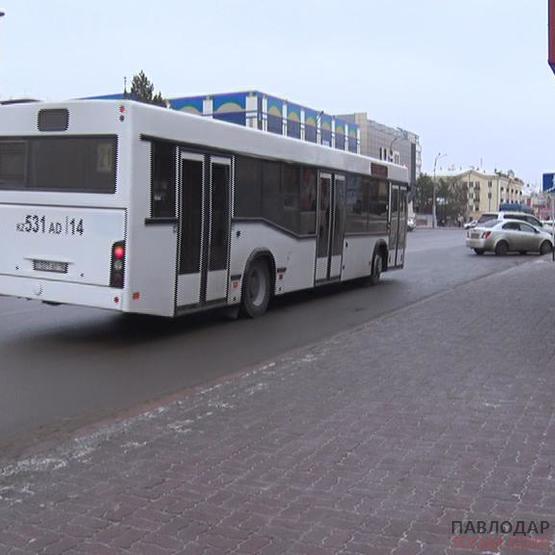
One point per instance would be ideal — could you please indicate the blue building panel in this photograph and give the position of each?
(239, 118)
(115, 96)
(225, 103)
(548, 183)
(293, 120)
(191, 105)
(274, 115)
(325, 129)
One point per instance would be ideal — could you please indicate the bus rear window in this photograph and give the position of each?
(62, 164)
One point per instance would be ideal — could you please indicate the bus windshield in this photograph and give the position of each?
(63, 164)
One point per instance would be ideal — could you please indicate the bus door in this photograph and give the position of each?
(204, 227)
(397, 226)
(402, 239)
(330, 227)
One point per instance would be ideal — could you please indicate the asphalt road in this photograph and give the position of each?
(62, 367)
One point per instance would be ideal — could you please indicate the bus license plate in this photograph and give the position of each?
(50, 266)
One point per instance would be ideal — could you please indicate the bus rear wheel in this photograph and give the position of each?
(377, 268)
(256, 289)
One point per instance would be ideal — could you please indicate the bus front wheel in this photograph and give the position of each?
(256, 289)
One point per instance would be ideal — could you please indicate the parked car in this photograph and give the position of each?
(486, 216)
(470, 225)
(524, 217)
(411, 224)
(504, 236)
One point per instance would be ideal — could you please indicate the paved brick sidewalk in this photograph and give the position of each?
(372, 442)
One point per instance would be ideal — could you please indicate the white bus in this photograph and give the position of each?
(141, 209)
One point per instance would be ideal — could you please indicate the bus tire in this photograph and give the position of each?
(256, 289)
(377, 268)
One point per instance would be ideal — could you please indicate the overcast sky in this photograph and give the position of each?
(469, 76)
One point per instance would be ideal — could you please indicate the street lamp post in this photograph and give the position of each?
(434, 222)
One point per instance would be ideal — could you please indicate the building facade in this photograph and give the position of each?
(540, 203)
(486, 191)
(388, 143)
(275, 115)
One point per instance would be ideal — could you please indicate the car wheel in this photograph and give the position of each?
(479, 251)
(377, 268)
(256, 289)
(545, 248)
(502, 248)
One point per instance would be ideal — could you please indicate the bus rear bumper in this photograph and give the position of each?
(60, 292)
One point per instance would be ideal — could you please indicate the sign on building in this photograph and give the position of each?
(548, 185)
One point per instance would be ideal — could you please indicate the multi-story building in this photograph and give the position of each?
(388, 143)
(539, 202)
(275, 115)
(486, 191)
(272, 114)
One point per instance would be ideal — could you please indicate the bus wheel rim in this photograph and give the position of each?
(256, 288)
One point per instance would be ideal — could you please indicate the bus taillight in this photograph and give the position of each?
(117, 267)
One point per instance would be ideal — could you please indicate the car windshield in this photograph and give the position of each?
(489, 223)
(486, 218)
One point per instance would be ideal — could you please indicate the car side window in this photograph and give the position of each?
(533, 221)
(512, 226)
(527, 228)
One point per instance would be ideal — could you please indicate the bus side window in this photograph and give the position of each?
(162, 192)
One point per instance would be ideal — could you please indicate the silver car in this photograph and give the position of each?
(503, 236)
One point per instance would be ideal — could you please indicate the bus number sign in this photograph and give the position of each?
(35, 223)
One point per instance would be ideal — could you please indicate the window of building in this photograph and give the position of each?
(325, 137)
(293, 129)
(275, 124)
(310, 133)
(340, 141)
